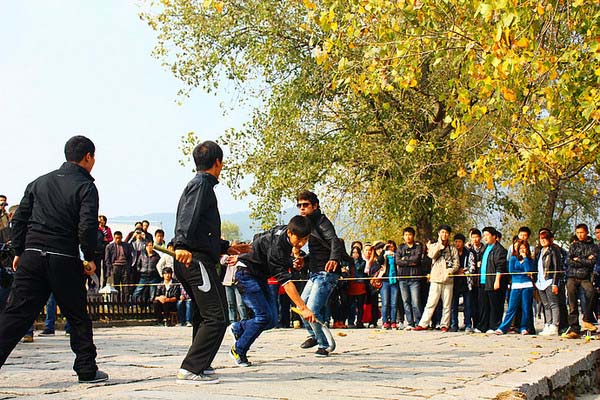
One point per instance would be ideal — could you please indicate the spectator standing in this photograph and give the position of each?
(408, 258)
(106, 237)
(236, 307)
(548, 267)
(149, 277)
(389, 288)
(462, 286)
(118, 259)
(184, 309)
(357, 291)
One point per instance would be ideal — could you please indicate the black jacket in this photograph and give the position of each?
(408, 259)
(59, 212)
(173, 291)
(111, 254)
(270, 255)
(496, 264)
(586, 253)
(551, 262)
(198, 224)
(323, 245)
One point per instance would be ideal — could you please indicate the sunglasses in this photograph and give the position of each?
(303, 205)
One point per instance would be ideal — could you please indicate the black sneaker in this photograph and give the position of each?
(308, 343)
(240, 359)
(99, 376)
(46, 332)
(321, 353)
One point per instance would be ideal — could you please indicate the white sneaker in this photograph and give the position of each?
(545, 331)
(491, 331)
(186, 377)
(552, 330)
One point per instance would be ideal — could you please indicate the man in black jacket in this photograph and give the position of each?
(325, 254)
(270, 256)
(408, 260)
(198, 245)
(580, 266)
(491, 295)
(57, 215)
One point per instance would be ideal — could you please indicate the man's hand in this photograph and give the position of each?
(184, 257)
(239, 249)
(161, 299)
(331, 266)
(89, 267)
(182, 298)
(298, 263)
(554, 290)
(497, 284)
(15, 263)
(308, 315)
(231, 260)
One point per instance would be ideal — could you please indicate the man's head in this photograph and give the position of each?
(145, 225)
(159, 236)
(475, 236)
(167, 273)
(409, 235)
(459, 241)
(171, 246)
(597, 232)
(546, 237)
(307, 202)
(208, 156)
(581, 231)
(3, 201)
(149, 247)
(298, 231)
(81, 151)
(490, 235)
(118, 237)
(444, 233)
(524, 233)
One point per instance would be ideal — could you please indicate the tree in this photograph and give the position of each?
(230, 231)
(398, 108)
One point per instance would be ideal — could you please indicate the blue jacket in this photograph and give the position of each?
(515, 266)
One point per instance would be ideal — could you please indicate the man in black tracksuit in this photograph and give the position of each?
(198, 236)
(270, 256)
(57, 215)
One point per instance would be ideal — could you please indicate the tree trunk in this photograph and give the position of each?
(551, 203)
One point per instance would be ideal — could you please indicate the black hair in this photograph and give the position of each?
(491, 230)
(167, 270)
(170, 244)
(138, 222)
(445, 228)
(3, 196)
(159, 231)
(118, 233)
(146, 221)
(103, 217)
(460, 236)
(582, 226)
(525, 229)
(474, 231)
(308, 195)
(77, 147)
(300, 226)
(409, 229)
(597, 226)
(206, 154)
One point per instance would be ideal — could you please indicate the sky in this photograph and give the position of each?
(85, 68)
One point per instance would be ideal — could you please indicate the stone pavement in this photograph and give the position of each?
(368, 364)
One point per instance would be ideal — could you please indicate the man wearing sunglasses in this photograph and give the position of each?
(325, 253)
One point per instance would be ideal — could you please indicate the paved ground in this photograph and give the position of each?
(368, 364)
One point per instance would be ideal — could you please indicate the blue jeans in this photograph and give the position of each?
(467, 312)
(257, 297)
(184, 311)
(389, 301)
(522, 298)
(235, 303)
(51, 315)
(411, 299)
(140, 291)
(316, 295)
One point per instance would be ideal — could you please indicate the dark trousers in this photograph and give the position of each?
(209, 312)
(572, 287)
(491, 308)
(121, 275)
(162, 310)
(37, 276)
